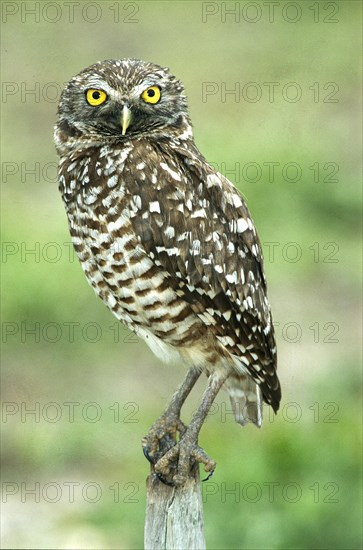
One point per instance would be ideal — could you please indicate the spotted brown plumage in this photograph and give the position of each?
(166, 241)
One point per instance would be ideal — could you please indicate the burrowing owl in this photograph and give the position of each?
(168, 244)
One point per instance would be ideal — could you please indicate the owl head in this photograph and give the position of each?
(117, 100)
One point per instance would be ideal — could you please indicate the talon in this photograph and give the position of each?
(162, 437)
(147, 455)
(164, 480)
(209, 475)
(177, 461)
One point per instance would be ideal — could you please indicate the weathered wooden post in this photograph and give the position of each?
(174, 515)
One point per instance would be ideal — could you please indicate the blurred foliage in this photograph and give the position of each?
(293, 484)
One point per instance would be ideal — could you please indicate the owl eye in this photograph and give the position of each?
(151, 95)
(95, 97)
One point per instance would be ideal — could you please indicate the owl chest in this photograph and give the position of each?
(119, 269)
(102, 219)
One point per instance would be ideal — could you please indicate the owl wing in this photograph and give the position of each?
(196, 226)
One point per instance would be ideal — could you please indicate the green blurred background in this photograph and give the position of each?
(296, 482)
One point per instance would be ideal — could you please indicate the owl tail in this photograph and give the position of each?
(246, 399)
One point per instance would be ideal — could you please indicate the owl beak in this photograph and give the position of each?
(126, 118)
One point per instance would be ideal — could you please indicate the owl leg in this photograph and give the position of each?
(187, 449)
(162, 434)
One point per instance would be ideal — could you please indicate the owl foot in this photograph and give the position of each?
(173, 461)
(162, 436)
(173, 468)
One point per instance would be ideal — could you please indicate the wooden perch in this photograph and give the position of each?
(174, 515)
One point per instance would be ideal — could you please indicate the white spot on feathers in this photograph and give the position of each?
(154, 207)
(173, 174)
(112, 181)
(232, 277)
(137, 201)
(170, 232)
(236, 201)
(242, 225)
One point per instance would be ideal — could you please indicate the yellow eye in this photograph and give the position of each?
(95, 97)
(151, 95)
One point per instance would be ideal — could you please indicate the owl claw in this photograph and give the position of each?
(172, 460)
(209, 475)
(147, 455)
(180, 460)
(162, 436)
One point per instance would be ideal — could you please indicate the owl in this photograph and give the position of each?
(168, 244)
